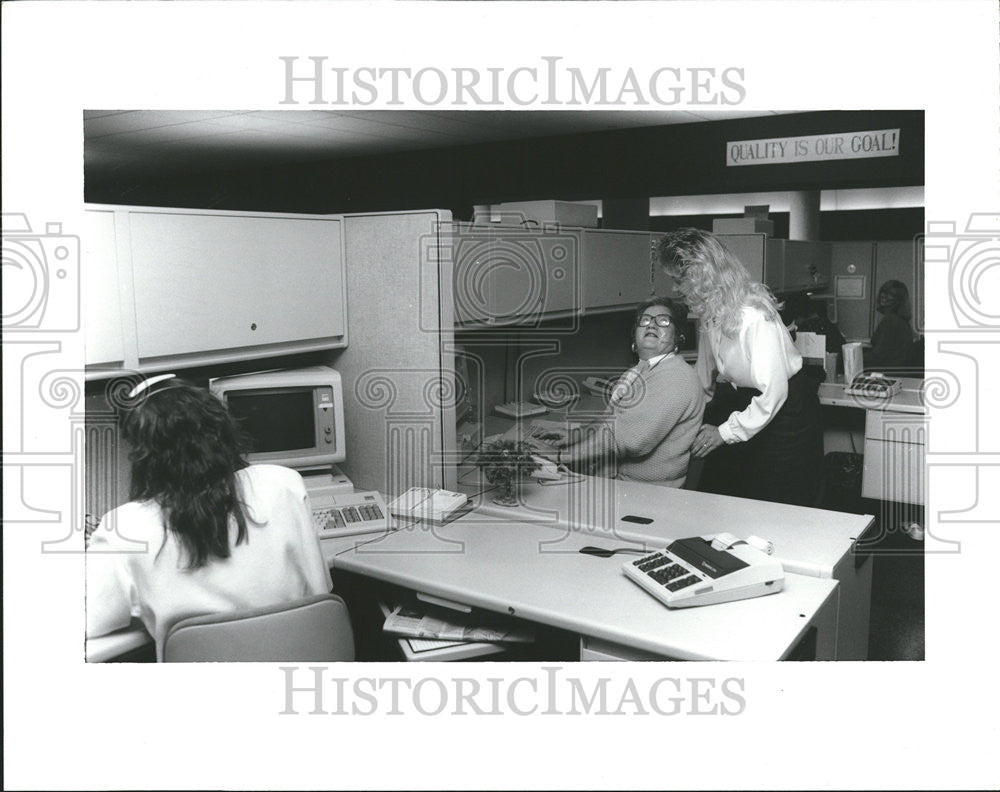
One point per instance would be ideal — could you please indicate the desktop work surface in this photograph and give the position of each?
(525, 561)
(910, 398)
(537, 573)
(611, 512)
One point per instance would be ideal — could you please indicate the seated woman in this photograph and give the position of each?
(892, 341)
(204, 532)
(655, 409)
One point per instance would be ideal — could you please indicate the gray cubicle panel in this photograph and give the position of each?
(396, 371)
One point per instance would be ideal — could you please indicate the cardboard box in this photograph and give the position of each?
(812, 347)
(742, 225)
(540, 213)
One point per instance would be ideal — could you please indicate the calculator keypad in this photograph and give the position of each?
(666, 571)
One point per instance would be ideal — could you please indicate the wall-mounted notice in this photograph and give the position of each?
(810, 148)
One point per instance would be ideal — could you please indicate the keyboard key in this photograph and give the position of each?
(667, 573)
(651, 562)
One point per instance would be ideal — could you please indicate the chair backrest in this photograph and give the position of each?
(314, 629)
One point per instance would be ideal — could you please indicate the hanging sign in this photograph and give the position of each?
(811, 148)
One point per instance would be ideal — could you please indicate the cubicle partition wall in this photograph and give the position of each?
(538, 309)
(398, 370)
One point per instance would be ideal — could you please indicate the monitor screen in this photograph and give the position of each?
(293, 417)
(275, 421)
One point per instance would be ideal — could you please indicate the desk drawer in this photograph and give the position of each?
(893, 472)
(895, 427)
(597, 649)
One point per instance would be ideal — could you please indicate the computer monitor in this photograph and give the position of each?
(293, 417)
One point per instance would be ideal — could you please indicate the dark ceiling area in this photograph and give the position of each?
(615, 157)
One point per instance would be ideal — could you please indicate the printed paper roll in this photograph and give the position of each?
(764, 545)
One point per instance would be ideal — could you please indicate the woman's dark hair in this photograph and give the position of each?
(678, 312)
(893, 298)
(185, 450)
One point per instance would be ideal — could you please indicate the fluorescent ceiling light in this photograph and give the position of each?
(830, 201)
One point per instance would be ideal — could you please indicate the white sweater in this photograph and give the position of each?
(128, 574)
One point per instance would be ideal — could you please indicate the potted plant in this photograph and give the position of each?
(505, 463)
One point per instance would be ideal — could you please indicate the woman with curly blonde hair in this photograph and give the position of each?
(768, 414)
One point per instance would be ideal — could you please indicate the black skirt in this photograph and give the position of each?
(782, 463)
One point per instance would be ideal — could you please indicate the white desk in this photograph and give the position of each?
(910, 398)
(524, 561)
(810, 542)
(107, 647)
(895, 440)
(536, 573)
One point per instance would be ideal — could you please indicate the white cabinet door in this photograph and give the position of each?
(102, 312)
(209, 281)
(782, 264)
(616, 268)
(749, 249)
(894, 457)
(534, 275)
(508, 276)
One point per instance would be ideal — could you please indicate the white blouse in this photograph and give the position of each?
(761, 355)
(132, 571)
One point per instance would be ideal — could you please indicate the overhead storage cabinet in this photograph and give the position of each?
(104, 340)
(508, 276)
(782, 264)
(616, 268)
(199, 286)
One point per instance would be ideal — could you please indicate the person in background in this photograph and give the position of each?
(764, 408)
(655, 409)
(892, 341)
(204, 531)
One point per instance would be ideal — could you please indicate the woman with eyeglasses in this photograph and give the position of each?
(655, 408)
(767, 412)
(205, 532)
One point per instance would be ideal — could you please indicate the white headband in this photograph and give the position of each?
(148, 383)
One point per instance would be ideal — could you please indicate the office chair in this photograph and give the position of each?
(316, 628)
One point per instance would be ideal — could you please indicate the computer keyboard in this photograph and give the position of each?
(538, 434)
(347, 514)
(519, 409)
(693, 571)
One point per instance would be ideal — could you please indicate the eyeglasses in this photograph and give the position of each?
(661, 320)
